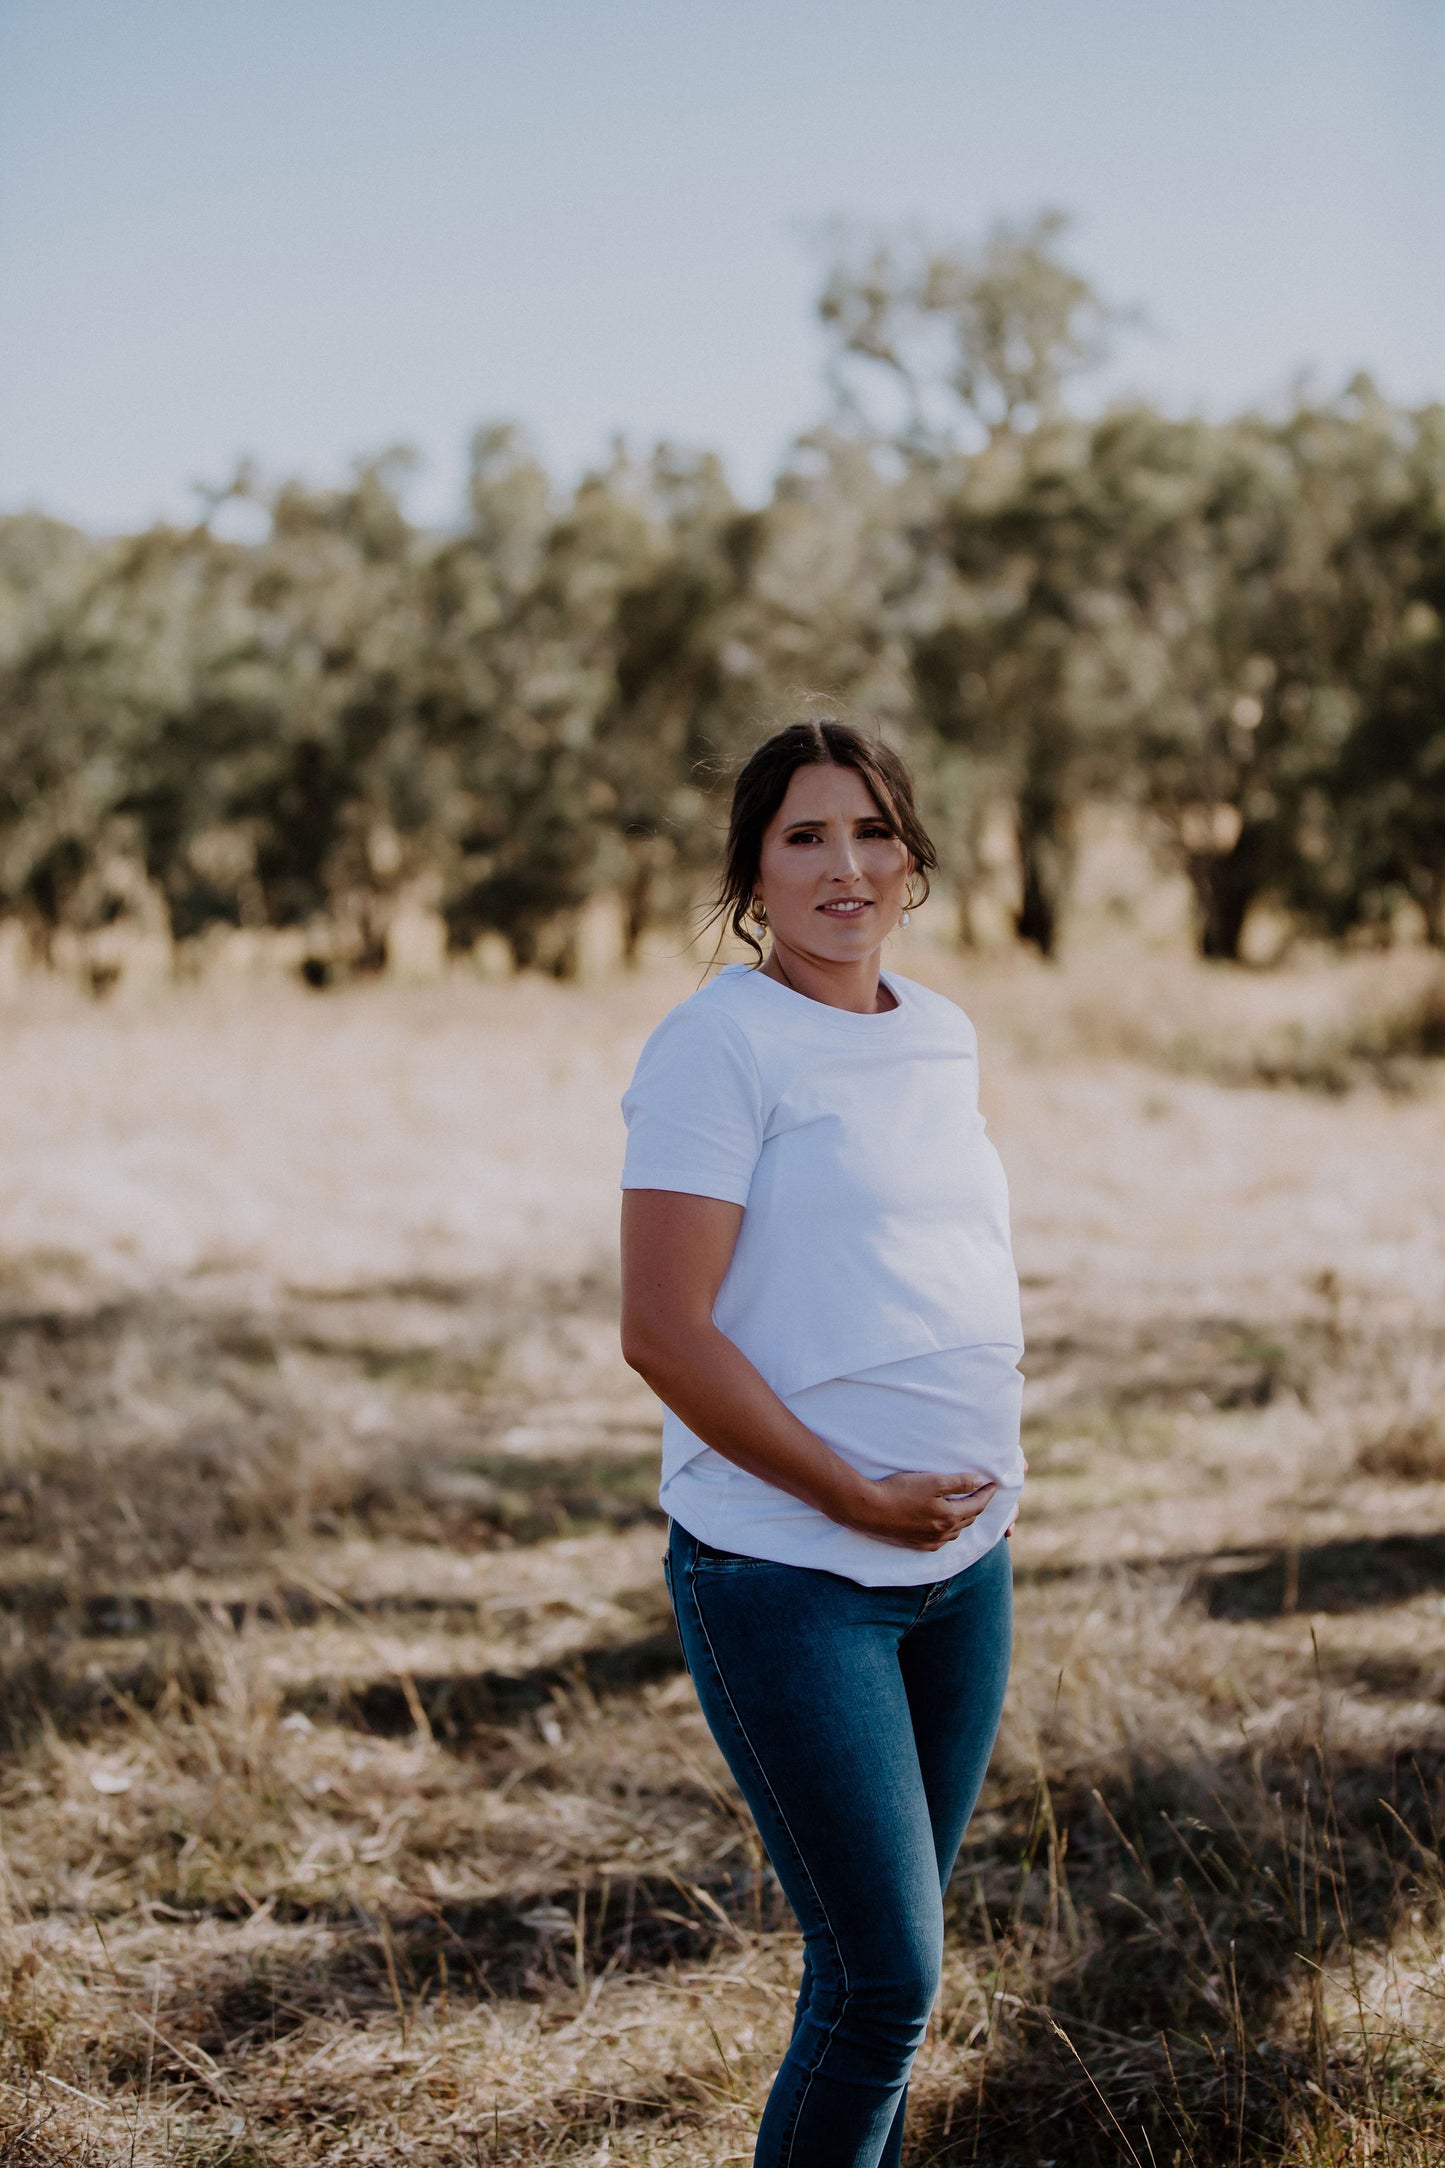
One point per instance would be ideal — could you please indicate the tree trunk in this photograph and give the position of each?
(1435, 914)
(1046, 855)
(636, 909)
(1226, 884)
(649, 859)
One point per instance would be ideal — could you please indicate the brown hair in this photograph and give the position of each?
(762, 785)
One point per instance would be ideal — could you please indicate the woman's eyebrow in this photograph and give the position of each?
(860, 820)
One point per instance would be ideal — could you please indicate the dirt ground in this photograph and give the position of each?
(354, 1805)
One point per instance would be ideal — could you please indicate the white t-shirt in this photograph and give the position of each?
(872, 1284)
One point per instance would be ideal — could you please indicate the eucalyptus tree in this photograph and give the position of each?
(674, 720)
(977, 346)
(1272, 591)
(1382, 818)
(273, 780)
(519, 677)
(59, 776)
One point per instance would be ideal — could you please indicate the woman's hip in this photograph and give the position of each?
(805, 1650)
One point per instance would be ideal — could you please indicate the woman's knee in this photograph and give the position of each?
(879, 2004)
(901, 2001)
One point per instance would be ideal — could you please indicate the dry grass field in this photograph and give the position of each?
(354, 1805)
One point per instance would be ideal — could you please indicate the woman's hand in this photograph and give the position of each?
(919, 1512)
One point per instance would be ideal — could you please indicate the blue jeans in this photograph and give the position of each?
(858, 1723)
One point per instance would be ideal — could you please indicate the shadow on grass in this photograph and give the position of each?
(224, 1450)
(52, 1690)
(1162, 1942)
(1146, 1950)
(1349, 1573)
(532, 1944)
(457, 1705)
(41, 1681)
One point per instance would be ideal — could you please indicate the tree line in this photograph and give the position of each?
(1236, 628)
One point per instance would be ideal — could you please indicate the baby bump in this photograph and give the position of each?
(954, 1408)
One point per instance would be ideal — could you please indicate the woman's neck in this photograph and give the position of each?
(856, 985)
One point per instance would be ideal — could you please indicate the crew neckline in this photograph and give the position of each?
(848, 1019)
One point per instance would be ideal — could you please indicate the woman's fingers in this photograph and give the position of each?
(973, 1501)
(945, 1531)
(924, 1511)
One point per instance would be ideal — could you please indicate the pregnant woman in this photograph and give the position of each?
(818, 1284)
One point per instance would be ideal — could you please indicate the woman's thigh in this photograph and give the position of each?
(955, 1665)
(798, 1675)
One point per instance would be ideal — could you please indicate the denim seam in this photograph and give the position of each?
(797, 1851)
(924, 1607)
(936, 1588)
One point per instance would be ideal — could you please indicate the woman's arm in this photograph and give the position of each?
(675, 1250)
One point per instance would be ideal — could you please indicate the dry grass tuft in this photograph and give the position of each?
(1409, 1451)
(354, 1804)
(1331, 1025)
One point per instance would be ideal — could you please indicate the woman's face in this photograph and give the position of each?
(832, 875)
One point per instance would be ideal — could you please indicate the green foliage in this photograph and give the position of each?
(1239, 627)
(992, 332)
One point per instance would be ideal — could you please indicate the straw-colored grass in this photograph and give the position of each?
(354, 1805)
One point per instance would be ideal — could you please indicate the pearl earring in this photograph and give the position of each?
(904, 916)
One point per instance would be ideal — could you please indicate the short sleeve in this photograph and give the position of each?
(694, 1109)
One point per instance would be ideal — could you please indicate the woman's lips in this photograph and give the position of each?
(853, 908)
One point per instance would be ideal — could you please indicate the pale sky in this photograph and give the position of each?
(306, 229)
